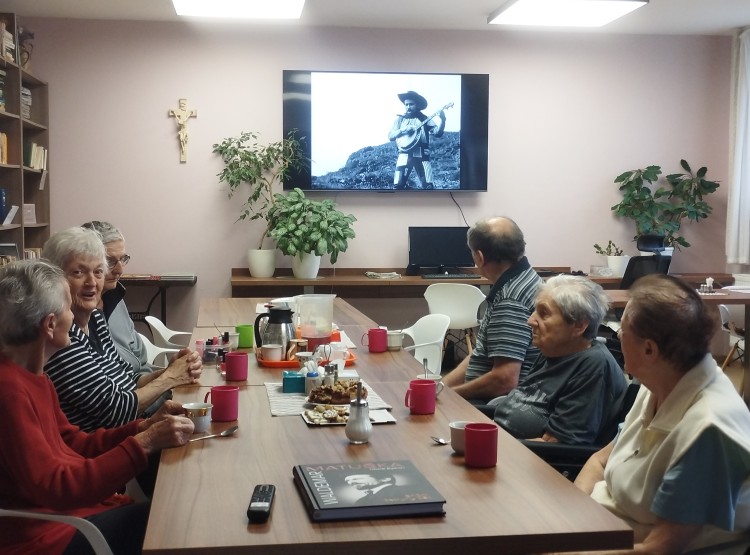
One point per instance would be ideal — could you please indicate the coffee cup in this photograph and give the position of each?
(245, 338)
(236, 364)
(339, 350)
(200, 414)
(457, 435)
(304, 357)
(420, 397)
(234, 340)
(439, 385)
(295, 346)
(225, 399)
(271, 352)
(480, 444)
(377, 340)
(395, 340)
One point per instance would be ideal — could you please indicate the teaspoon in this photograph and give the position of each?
(439, 440)
(226, 433)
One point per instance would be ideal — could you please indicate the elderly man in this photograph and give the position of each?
(572, 392)
(503, 351)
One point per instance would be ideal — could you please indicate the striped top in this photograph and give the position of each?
(95, 390)
(504, 330)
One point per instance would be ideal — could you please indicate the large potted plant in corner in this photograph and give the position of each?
(307, 229)
(663, 210)
(261, 167)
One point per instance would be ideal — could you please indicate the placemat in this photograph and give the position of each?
(292, 404)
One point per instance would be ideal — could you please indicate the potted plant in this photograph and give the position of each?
(306, 229)
(663, 210)
(261, 167)
(617, 261)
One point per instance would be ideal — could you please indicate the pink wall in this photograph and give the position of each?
(568, 113)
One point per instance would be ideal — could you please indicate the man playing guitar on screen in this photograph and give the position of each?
(411, 133)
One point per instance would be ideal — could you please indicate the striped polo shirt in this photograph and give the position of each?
(504, 330)
(95, 390)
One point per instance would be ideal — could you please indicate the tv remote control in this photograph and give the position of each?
(260, 503)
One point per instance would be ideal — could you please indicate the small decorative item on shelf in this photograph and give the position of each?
(26, 42)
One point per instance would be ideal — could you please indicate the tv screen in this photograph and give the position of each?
(439, 247)
(366, 131)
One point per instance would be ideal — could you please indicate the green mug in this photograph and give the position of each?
(246, 335)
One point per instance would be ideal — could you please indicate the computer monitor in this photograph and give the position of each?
(444, 248)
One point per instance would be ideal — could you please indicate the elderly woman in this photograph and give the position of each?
(47, 464)
(678, 471)
(572, 390)
(95, 386)
(127, 341)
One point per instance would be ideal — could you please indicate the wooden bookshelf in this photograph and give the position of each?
(22, 182)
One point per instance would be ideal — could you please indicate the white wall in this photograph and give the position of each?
(568, 113)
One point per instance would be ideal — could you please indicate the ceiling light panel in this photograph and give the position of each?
(563, 13)
(240, 9)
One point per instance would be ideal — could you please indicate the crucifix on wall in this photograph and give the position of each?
(181, 115)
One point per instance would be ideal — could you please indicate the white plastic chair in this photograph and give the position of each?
(737, 351)
(460, 302)
(428, 334)
(91, 532)
(165, 337)
(157, 356)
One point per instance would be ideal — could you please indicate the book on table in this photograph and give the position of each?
(364, 490)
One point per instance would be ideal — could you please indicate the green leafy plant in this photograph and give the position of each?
(609, 250)
(663, 210)
(261, 167)
(304, 226)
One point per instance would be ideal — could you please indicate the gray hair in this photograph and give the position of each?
(29, 291)
(499, 239)
(579, 299)
(65, 245)
(109, 233)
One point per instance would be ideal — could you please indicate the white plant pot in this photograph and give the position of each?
(306, 267)
(618, 264)
(261, 262)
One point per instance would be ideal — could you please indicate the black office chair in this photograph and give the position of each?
(569, 459)
(639, 266)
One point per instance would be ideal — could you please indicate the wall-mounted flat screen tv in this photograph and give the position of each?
(367, 131)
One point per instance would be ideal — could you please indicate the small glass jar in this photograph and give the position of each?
(358, 427)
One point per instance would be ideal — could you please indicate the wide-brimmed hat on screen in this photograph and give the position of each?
(420, 100)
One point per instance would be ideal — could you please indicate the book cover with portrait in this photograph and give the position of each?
(355, 490)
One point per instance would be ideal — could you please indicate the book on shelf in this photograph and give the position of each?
(10, 215)
(8, 253)
(3, 148)
(29, 213)
(32, 253)
(3, 203)
(35, 156)
(8, 42)
(2, 90)
(355, 490)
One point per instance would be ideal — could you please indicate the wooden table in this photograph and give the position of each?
(619, 298)
(520, 506)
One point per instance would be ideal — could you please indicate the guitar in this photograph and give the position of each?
(411, 138)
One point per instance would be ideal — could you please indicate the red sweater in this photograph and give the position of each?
(47, 464)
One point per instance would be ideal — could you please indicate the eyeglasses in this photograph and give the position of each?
(112, 261)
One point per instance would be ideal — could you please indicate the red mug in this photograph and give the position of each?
(225, 399)
(236, 365)
(377, 340)
(420, 397)
(480, 444)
